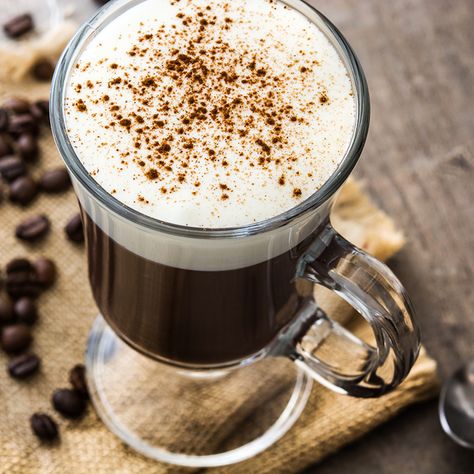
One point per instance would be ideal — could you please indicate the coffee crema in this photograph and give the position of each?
(210, 113)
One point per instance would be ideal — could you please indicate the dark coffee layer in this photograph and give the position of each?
(187, 316)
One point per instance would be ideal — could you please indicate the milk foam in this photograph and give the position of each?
(233, 128)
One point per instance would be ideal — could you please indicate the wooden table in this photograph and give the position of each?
(419, 166)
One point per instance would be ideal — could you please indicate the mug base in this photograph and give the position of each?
(191, 418)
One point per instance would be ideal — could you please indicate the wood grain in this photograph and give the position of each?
(419, 166)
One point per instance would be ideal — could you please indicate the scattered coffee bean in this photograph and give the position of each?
(46, 271)
(16, 105)
(7, 315)
(16, 338)
(3, 120)
(33, 228)
(27, 146)
(55, 180)
(24, 123)
(12, 167)
(43, 70)
(23, 190)
(44, 427)
(26, 311)
(40, 110)
(21, 279)
(77, 378)
(74, 229)
(5, 147)
(18, 26)
(23, 366)
(69, 403)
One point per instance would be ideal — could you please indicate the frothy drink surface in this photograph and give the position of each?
(210, 113)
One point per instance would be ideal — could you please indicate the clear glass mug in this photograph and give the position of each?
(173, 295)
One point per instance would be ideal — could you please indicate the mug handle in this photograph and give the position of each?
(331, 354)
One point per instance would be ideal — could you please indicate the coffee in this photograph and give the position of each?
(212, 115)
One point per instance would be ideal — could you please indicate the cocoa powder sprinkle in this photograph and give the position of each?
(195, 78)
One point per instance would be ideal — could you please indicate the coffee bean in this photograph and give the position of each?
(18, 26)
(16, 105)
(5, 147)
(33, 228)
(69, 403)
(7, 315)
(74, 229)
(44, 427)
(21, 279)
(26, 311)
(43, 70)
(27, 146)
(55, 180)
(46, 271)
(23, 190)
(12, 167)
(21, 124)
(40, 110)
(16, 338)
(4, 120)
(23, 366)
(77, 378)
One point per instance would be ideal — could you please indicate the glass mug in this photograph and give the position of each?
(198, 312)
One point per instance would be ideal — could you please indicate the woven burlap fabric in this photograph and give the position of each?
(67, 311)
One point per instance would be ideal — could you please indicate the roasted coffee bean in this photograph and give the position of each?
(33, 228)
(12, 167)
(5, 147)
(16, 105)
(74, 229)
(46, 271)
(7, 315)
(44, 427)
(40, 110)
(18, 26)
(16, 338)
(77, 378)
(21, 124)
(4, 120)
(69, 403)
(23, 366)
(27, 146)
(23, 190)
(26, 311)
(21, 279)
(43, 70)
(55, 180)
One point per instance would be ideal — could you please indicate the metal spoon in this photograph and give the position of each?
(456, 406)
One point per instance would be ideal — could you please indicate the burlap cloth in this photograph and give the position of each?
(67, 311)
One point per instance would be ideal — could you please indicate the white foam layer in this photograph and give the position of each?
(220, 131)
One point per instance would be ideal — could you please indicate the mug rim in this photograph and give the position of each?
(313, 202)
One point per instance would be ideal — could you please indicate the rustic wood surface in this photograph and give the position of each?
(419, 166)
